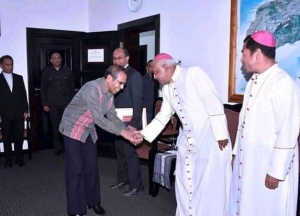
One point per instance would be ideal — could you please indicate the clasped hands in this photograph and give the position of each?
(133, 135)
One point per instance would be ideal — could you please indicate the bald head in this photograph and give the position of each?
(121, 57)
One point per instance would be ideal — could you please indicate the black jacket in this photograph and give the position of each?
(148, 93)
(132, 97)
(57, 87)
(13, 104)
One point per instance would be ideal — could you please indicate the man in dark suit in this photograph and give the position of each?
(13, 111)
(129, 172)
(57, 90)
(148, 92)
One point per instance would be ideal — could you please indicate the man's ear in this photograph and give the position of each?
(258, 53)
(110, 78)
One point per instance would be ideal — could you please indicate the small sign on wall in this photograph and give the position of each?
(95, 55)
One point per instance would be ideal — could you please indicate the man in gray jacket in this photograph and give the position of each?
(92, 105)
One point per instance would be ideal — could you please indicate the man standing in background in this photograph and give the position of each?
(57, 90)
(129, 172)
(13, 111)
(148, 92)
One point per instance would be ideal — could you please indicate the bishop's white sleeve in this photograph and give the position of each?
(286, 114)
(160, 120)
(214, 107)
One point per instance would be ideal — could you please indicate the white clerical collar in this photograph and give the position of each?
(266, 72)
(176, 73)
(8, 75)
(126, 66)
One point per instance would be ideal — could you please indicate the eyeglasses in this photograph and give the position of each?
(121, 83)
(119, 58)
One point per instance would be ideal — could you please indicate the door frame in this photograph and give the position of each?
(141, 25)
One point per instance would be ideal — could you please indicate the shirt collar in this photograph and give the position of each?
(103, 87)
(7, 74)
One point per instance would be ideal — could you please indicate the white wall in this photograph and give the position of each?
(148, 38)
(16, 15)
(196, 32)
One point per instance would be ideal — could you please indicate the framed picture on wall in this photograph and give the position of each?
(281, 18)
(95, 55)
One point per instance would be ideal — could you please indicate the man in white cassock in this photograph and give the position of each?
(203, 166)
(265, 165)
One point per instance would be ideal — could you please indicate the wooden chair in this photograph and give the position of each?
(164, 141)
(26, 141)
(232, 122)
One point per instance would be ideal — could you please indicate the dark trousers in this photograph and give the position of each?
(56, 113)
(128, 163)
(82, 176)
(149, 117)
(12, 132)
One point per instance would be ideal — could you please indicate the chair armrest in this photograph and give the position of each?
(169, 133)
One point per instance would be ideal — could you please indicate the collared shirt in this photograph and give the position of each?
(9, 79)
(93, 104)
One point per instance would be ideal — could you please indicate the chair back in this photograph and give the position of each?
(172, 126)
(232, 123)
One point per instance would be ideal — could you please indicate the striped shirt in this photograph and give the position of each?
(93, 104)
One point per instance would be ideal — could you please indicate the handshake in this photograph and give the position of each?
(133, 135)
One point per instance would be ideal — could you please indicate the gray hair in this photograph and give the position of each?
(114, 71)
(171, 62)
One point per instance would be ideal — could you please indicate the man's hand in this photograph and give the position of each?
(129, 135)
(131, 128)
(271, 183)
(222, 144)
(46, 108)
(138, 137)
(25, 116)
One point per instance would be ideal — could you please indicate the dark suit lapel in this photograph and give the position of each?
(14, 80)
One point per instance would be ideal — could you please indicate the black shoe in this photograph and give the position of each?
(57, 152)
(20, 163)
(132, 192)
(8, 165)
(119, 186)
(98, 209)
